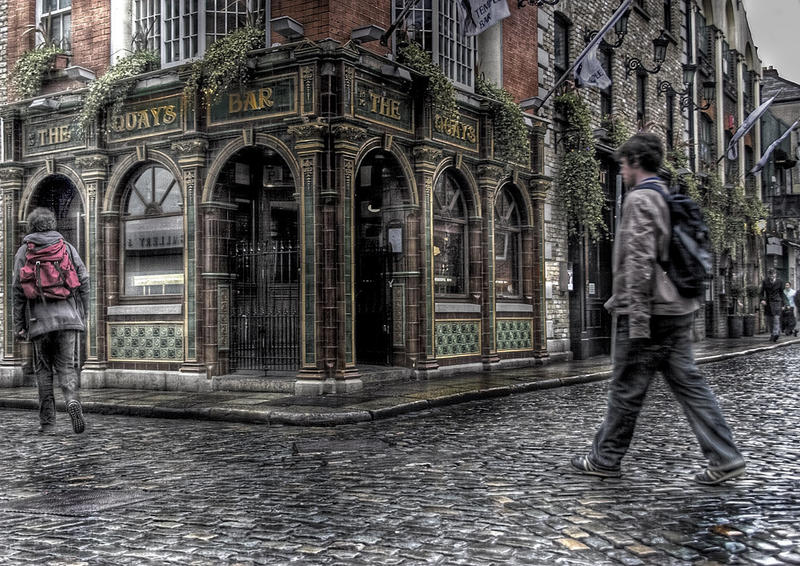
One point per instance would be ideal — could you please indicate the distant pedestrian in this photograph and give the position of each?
(773, 300)
(654, 330)
(51, 299)
(789, 315)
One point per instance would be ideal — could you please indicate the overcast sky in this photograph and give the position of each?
(775, 25)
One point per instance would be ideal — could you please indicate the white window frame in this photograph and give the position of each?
(186, 32)
(59, 14)
(453, 53)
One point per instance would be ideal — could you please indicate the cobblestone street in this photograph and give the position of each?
(479, 483)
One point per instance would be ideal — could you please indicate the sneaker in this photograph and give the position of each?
(714, 477)
(585, 466)
(47, 428)
(76, 414)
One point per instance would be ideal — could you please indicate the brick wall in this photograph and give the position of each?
(520, 70)
(91, 35)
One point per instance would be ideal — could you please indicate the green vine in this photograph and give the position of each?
(224, 65)
(30, 69)
(618, 130)
(578, 187)
(440, 89)
(510, 132)
(113, 86)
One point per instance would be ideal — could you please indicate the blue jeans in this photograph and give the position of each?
(669, 351)
(54, 357)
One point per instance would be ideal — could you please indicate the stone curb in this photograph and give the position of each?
(341, 417)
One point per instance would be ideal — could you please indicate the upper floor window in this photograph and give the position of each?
(670, 130)
(561, 46)
(55, 19)
(435, 25)
(668, 15)
(507, 247)
(152, 234)
(641, 99)
(450, 251)
(606, 97)
(182, 29)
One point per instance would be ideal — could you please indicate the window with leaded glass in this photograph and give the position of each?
(507, 247)
(449, 237)
(435, 25)
(55, 19)
(152, 234)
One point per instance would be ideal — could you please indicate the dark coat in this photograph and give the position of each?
(40, 316)
(772, 293)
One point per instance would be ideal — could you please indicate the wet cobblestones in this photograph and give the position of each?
(477, 483)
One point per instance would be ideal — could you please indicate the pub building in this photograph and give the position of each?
(323, 227)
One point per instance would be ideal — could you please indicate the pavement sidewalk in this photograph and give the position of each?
(373, 403)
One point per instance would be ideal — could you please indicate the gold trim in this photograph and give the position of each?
(355, 115)
(180, 124)
(277, 78)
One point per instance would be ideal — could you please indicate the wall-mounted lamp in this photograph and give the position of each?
(659, 55)
(620, 29)
(366, 34)
(287, 27)
(689, 72)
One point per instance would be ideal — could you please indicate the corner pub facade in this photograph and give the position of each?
(296, 234)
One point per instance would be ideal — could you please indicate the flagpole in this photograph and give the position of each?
(595, 41)
(406, 9)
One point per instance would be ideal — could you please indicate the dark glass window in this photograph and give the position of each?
(507, 247)
(606, 106)
(668, 15)
(152, 234)
(641, 99)
(670, 120)
(449, 237)
(561, 47)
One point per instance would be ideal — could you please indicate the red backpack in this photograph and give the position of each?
(48, 272)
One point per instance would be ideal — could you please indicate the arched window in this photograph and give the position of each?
(449, 237)
(507, 247)
(152, 233)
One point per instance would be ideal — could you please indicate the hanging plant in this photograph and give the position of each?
(618, 130)
(113, 86)
(440, 89)
(224, 65)
(578, 187)
(510, 132)
(30, 69)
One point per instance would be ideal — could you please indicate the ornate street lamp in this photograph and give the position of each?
(659, 55)
(620, 29)
(689, 72)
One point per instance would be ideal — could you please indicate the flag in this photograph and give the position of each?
(590, 72)
(587, 64)
(764, 158)
(733, 150)
(479, 15)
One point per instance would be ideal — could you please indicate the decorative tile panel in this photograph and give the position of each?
(224, 317)
(145, 342)
(457, 338)
(399, 315)
(514, 334)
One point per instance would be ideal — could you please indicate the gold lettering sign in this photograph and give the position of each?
(53, 136)
(250, 100)
(136, 121)
(382, 105)
(462, 133)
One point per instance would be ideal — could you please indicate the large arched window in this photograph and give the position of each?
(507, 247)
(449, 237)
(152, 234)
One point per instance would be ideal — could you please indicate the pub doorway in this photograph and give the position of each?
(264, 262)
(381, 207)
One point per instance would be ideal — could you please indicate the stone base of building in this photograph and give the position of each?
(137, 379)
(13, 376)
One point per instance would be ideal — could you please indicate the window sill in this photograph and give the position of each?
(142, 309)
(514, 307)
(457, 307)
(641, 11)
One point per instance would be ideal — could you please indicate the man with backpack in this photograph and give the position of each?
(51, 299)
(655, 322)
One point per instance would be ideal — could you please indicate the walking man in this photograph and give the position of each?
(773, 300)
(654, 330)
(55, 314)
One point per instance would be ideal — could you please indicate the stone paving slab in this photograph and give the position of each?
(373, 403)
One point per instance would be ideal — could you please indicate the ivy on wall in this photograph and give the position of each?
(440, 88)
(578, 188)
(510, 132)
(30, 69)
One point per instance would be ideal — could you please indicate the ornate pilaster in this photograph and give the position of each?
(539, 187)
(191, 154)
(11, 187)
(426, 159)
(94, 172)
(489, 177)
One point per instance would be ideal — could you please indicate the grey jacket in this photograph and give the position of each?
(40, 316)
(641, 287)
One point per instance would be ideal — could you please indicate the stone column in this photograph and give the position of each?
(719, 104)
(94, 172)
(191, 154)
(426, 158)
(489, 177)
(14, 354)
(309, 147)
(539, 187)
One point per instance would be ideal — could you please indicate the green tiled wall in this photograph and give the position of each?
(457, 338)
(514, 334)
(147, 342)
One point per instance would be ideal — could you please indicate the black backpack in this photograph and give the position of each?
(689, 263)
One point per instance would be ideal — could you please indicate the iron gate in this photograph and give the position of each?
(265, 321)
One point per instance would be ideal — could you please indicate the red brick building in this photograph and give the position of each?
(299, 232)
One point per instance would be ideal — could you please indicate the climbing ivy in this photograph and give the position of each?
(30, 69)
(440, 88)
(510, 132)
